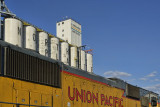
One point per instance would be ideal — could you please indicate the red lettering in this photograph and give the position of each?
(79, 95)
(69, 95)
(84, 96)
(102, 99)
(106, 101)
(113, 102)
(95, 97)
(116, 101)
(88, 94)
(110, 97)
(120, 102)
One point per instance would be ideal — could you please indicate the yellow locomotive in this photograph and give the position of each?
(32, 80)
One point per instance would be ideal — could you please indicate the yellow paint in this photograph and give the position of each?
(95, 88)
(61, 40)
(76, 29)
(35, 98)
(51, 35)
(46, 100)
(158, 105)
(17, 91)
(25, 23)
(75, 82)
(39, 30)
(22, 97)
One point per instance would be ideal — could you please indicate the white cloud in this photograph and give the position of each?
(144, 79)
(117, 74)
(154, 88)
(155, 80)
(152, 74)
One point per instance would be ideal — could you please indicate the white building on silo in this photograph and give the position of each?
(70, 31)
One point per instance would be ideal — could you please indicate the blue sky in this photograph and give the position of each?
(125, 34)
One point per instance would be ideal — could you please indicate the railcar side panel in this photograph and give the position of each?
(76, 91)
(82, 92)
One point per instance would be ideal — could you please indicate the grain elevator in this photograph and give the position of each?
(70, 31)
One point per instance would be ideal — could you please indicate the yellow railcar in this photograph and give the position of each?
(29, 79)
(75, 91)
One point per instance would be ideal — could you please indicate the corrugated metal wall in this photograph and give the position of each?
(132, 91)
(26, 67)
